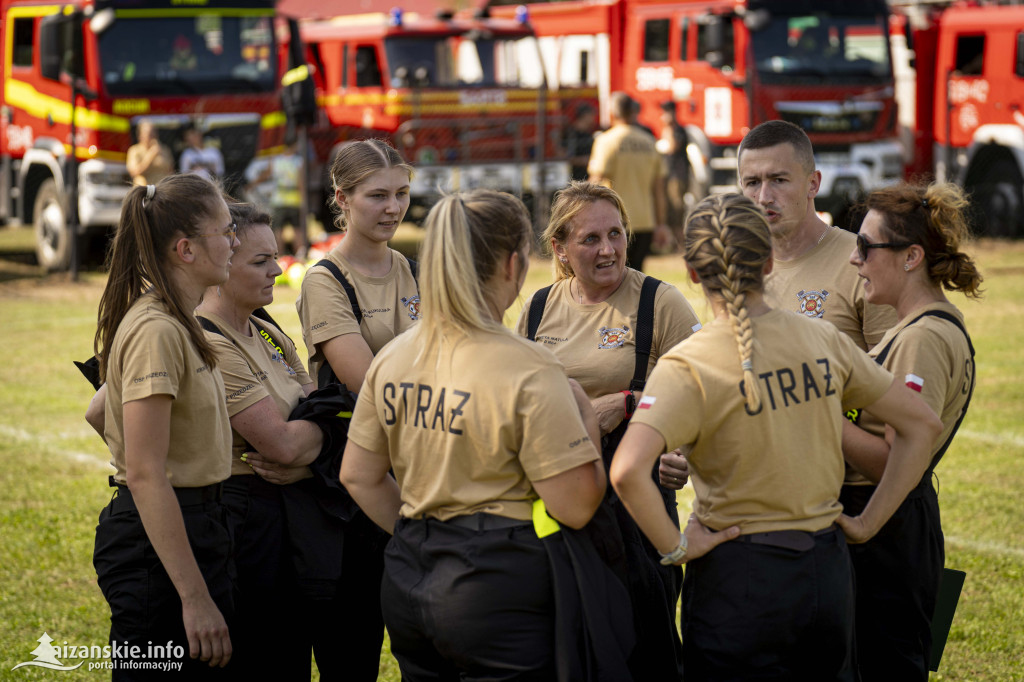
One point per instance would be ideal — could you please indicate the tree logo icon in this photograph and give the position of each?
(46, 656)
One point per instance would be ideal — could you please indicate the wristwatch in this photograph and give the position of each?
(676, 555)
(630, 406)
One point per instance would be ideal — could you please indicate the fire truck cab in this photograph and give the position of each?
(464, 98)
(79, 77)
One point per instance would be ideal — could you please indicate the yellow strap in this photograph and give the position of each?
(543, 524)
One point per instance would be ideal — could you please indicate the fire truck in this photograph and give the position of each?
(729, 65)
(965, 104)
(464, 98)
(80, 76)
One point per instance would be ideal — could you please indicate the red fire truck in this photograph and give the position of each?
(967, 111)
(463, 98)
(825, 65)
(78, 77)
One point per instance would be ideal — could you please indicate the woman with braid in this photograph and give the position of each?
(908, 250)
(756, 399)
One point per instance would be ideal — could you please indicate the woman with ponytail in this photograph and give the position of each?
(756, 399)
(162, 546)
(908, 251)
(467, 592)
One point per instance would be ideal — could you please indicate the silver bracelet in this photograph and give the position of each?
(676, 555)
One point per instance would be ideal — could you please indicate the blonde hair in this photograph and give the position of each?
(466, 236)
(355, 162)
(137, 260)
(569, 202)
(727, 242)
(934, 218)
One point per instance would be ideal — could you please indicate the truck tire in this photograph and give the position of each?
(53, 240)
(997, 207)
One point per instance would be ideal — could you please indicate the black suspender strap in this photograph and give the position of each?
(948, 317)
(644, 332)
(265, 334)
(537, 304)
(644, 326)
(414, 267)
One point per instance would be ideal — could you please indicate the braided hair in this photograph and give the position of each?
(727, 243)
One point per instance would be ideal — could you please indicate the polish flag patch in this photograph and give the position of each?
(646, 402)
(915, 382)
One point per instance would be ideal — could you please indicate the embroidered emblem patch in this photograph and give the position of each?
(812, 303)
(612, 337)
(412, 306)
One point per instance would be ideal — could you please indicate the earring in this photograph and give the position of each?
(906, 267)
(563, 259)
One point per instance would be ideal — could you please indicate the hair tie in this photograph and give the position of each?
(747, 365)
(150, 191)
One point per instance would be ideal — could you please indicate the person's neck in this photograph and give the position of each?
(191, 291)
(369, 258)
(808, 234)
(216, 302)
(915, 297)
(589, 295)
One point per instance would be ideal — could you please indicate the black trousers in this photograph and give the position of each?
(144, 604)
(463, 604)
(753, 611)
(639, 249)
(331, 611)
(897, 575)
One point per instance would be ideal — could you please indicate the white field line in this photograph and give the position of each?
(985, 547)
(51, 443)
(1012, 439)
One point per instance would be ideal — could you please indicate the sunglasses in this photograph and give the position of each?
(230, 232)
(863, 245)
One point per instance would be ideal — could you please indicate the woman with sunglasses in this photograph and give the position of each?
(908, 251)
(162, 545)
(756, 399)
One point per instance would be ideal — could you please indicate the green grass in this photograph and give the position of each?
(53, 471)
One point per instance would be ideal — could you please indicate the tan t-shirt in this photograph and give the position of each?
(933, 358)
(252, 370)
(822, 284)
(151, 354)
(462, 437)
(159, 168)
(781, 468)
(627, 158)
(596, 343)
(390, 305)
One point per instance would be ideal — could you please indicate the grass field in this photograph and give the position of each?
(53, 468)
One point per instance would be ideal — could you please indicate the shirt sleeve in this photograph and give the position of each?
(674, 319)
(324, 309)
(600, 156)
(152, 360)
(673, 403)
(291, 356)
(242, 388)
(920, 358)
(554, 439)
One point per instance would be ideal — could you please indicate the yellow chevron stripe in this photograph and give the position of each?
(275, 119)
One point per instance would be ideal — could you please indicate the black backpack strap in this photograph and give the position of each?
(644, 332)
(540, 299)
(349, 289)
(415, 268)
(209, 326)
(948, 317)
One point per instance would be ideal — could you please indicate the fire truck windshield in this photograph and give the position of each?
(470, 59)
(173, 55)
(823, 47)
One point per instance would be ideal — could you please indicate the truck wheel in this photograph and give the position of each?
(997, 205)
(53, 243)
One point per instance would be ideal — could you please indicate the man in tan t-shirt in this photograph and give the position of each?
(625, 158)
(812, 274)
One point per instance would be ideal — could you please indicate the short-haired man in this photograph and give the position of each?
(812, 273)
(624, 158)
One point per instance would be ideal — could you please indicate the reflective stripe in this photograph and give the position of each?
(543, 524)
